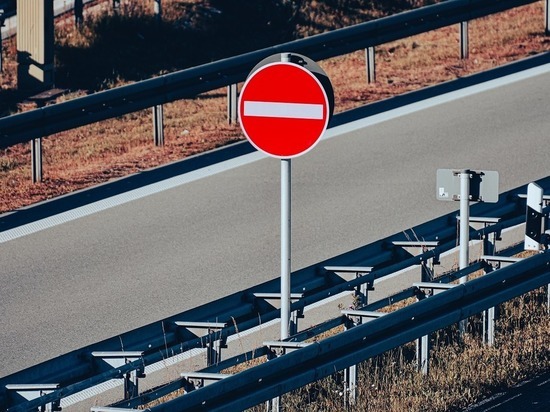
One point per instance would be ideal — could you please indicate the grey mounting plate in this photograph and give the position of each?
(483, 185)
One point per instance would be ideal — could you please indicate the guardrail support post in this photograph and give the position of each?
(489, 315)
(360, 296)
(117, 359)
(488, 320)
(214, 349)
(34, 391)
(158, 10)
(214, 339)
(274, 404)
(350, 377)
(423, 354)
(489, 326)
(158, 124)
(353, 318)
(232, 103)
(78, 13)
(371, 64)
(2, 20)
(277, 349)
(131, 385)
(427, 266)
(464, 48)
(423, 343)
(294, 316)
(36, 160)
(362, 291)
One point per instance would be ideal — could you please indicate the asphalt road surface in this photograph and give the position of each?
(133, 259)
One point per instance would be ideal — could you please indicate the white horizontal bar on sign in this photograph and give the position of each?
(284, 110)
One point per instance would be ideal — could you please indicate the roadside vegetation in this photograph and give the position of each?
(111, 49)
(462, 372)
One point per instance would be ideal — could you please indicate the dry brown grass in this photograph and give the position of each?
(110, 149)
(462, 372)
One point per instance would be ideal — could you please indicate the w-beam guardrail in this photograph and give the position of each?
(87, 367)
(321, 359)
(42, 122)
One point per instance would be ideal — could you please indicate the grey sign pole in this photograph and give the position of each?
(285, 247)
(285, 238)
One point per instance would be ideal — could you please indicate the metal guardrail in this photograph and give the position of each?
(322, 359)
(83, 368)
(38, 123)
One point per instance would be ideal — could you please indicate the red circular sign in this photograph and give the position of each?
(283, 109)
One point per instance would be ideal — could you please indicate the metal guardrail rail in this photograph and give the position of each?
(81, 369)
(323, 358)
(38, 123)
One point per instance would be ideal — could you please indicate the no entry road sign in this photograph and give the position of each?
(283, 109)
